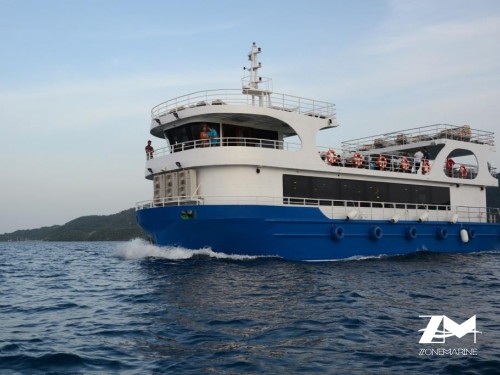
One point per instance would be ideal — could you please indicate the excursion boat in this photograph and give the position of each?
(242, 173)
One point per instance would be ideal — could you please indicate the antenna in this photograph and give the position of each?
(251, 83)
(254, 66)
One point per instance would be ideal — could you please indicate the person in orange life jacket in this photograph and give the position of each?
(149, 150)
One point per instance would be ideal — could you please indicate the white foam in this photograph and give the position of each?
(140, 249)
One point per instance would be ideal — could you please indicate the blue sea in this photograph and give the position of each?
(134, 308)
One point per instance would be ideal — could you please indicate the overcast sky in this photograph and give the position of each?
(78, 80)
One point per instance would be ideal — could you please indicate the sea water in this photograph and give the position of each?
(134, 308)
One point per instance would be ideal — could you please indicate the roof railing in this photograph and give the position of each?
(283, 102)
(421, 134)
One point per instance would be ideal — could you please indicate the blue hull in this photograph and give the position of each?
(304, 233)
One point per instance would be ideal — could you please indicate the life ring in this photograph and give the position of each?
(337, 232)
(442, 233)
(405, 164)
(462, 172)
(426, 167)
(357, 160)
(331, 157)
(381, 162)
(411, 233)
(376, 233)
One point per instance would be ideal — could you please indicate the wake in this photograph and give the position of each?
(140, 249)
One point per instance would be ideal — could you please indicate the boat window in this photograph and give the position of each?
(189, 136)
(359, 190)
(187, 133)
(234, 135)
(461, 163)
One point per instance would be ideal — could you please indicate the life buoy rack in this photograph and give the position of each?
(405, 164)
(426, 167)
(331, 157)
(357, 160)
(462, 172)
(382, 162)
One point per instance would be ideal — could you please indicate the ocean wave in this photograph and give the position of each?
(140, 249)
(58, 363)
(101, 313)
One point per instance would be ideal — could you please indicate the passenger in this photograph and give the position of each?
(417, 160)
(213, 136)
(339, 161)
(449, 167)
(425, 161)
(395, 163)
(149, 150)
(426, 154)
(204, 136)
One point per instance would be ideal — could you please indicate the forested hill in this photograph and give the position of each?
(118, 227)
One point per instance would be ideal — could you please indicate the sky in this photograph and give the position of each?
(78, 80)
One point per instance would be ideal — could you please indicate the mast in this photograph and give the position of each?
(254, 66)
(252, 82)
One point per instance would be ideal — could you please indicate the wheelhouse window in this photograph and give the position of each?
(187, 133)
(190, 136)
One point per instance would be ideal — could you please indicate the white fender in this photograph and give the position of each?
(453, 218)
(464, 236)
(395, 219)
(424, 216)
(353, 214)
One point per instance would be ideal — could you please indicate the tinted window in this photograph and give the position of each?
(358, 190)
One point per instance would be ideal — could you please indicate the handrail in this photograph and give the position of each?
(420, 134)
(340, 208)
(227, 142)
(394, 163)
(282, 102)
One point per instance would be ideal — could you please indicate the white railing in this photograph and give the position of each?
(227, 142)
(399, 163)
(367, 210)
(276, 101)
(421, 134)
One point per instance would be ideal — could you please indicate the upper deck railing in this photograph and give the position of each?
(421, 134)
(403, 164)
(266, 99)
(226, 142)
